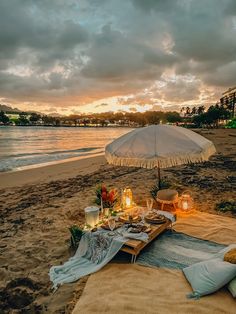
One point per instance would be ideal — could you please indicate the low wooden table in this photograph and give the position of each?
(134, 247)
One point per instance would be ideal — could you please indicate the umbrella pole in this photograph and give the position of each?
(159, 176)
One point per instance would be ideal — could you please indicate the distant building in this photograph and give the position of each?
(229, 99)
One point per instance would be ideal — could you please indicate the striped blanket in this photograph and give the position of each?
(177, 250)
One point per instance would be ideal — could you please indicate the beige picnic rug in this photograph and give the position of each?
(129, 288)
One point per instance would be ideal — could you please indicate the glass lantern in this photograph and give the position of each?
(127, 198)
(91, 216)
(186, 202)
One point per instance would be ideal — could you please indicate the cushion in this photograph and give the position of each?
(167, 195)
(230, 256)
(208, 276)
(232, 287)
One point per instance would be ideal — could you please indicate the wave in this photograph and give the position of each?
(18, 161)
(87, 149)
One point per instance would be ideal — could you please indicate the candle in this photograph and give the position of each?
(128, 201)
(185, 205)
(91, 215)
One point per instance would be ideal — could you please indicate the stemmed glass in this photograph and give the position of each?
(149, 202)
(112, 225)
(143, 213)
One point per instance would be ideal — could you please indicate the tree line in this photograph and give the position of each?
(103, 119)
(193, 117)
(212, 117)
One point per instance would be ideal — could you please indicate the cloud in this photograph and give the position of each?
(222, 76)
(180, 91)
(159, 53)
(114, 56)
(133, 109)
(101, 105)
(156, 5)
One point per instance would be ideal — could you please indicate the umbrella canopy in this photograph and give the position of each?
(160, 146)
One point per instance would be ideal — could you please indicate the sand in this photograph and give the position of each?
(57, 171)
(152, 290)
(37, 206)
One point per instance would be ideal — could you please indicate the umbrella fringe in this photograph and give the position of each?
(164, 162)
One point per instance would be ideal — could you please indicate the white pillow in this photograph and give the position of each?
(232, 287)
(208, 276)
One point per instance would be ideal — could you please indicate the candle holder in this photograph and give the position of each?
(91, 216)
(186, 202)
(127, 198)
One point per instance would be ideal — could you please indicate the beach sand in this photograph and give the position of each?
(38, 205)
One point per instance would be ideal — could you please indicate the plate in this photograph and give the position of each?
(139, 228)
(155, 218)
(106, 226)
(129, 219)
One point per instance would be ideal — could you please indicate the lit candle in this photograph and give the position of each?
(91, 216)
(128, 201)
(185, 205)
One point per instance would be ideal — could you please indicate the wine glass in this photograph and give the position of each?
(143, 213)
(149, 203)
(112, 225)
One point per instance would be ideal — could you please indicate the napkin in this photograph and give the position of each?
(168, 215)
(142, 236)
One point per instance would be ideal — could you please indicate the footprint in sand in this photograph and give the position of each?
(19, 294)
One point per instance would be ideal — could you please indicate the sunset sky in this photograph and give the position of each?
(72, 56)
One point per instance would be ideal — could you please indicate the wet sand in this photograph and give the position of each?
(37, 207)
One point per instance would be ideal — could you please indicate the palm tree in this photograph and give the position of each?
(194, 111)
(200, 109)
(187, 111)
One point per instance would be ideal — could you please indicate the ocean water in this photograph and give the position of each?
(29, 147)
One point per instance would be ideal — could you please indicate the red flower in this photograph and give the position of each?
(104, 189)
(111, 196)
(104, 196)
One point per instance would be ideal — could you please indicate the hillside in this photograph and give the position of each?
(8, 109)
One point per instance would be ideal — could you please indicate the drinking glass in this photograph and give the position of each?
(143, 213)
(149, 203)
(112, 225)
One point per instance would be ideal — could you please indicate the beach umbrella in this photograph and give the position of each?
(159, 146)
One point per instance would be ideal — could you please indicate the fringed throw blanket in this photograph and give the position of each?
(95, 251)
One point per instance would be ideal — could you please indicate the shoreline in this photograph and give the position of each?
(51, 163)
(42, 173)
(71, 126)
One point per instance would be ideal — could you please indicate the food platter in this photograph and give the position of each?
(105, 225)
(137, 228)
(155, 218)
(126, 218)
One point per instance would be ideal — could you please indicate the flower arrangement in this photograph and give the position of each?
(108, 197)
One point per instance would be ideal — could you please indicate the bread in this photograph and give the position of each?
(230, 256)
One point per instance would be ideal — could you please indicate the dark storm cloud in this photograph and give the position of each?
(25, 25)
(158, 5)
(113, 55)
(95, 49)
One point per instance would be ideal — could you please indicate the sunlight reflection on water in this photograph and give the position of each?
(25, 146)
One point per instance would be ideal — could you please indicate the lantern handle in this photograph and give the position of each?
(188, 192)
